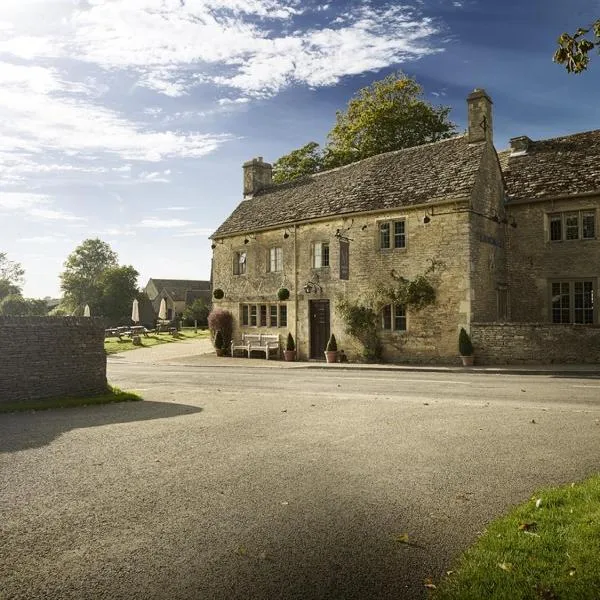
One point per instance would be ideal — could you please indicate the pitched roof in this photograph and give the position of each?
(395, 179)
(553, 167)
(177, 288)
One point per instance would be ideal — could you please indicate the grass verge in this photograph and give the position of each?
(114, 345)
(545, 549)
(112, 395)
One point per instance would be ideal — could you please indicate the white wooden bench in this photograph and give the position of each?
(258, 342)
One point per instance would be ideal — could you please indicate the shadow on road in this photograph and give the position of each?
(21, 431)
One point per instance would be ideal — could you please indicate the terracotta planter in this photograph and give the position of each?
(331, 356)
(467, 361)
(289, 355)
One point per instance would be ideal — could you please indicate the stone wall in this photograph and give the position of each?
(541, 343)
(45, 357)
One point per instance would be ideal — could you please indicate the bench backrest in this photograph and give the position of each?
(260, 339)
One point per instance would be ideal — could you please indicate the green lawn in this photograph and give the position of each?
(113, 394)
(113, 345)
(546, 549)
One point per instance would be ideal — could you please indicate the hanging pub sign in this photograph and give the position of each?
(344, 259)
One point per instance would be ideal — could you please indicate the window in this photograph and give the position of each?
(393, 317)
(574, 225)
(263, 315)
(572, 302)
(320, 255)
(392, 234)
(239, 263)
(275, 260)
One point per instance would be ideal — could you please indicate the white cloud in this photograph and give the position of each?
(37, 206)
(155, 223)
(196, 232)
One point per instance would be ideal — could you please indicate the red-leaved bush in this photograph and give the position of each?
(221, 320)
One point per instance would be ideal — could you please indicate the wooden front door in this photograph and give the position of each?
(319, 327)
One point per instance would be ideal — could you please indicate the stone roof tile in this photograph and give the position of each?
(553, 167)
(387, 181)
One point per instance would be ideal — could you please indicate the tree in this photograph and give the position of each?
(387, 115)
(80, 281)
(17, 306)
(8, 289)
(118, 288)
(573, 50)
(197, 311)
(304, 161)
(11, 276)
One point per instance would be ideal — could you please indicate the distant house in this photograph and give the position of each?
(509, 239)
(178, 293)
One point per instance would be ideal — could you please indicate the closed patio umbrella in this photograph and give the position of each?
(162, 313)
(135, 311)
(86, 311)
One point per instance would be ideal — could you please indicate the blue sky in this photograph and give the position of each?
(129, 120)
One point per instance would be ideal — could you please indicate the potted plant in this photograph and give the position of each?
(283, 294)
(331, 350)
(289, 353)
(465, 348)
(219, 343)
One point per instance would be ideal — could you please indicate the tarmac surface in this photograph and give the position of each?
(246, 478)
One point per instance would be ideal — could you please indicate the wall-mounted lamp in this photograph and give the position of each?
(363, 227)
(248, 238)
(214, 244)
(426, 219)
(513, 223)
(286, 233)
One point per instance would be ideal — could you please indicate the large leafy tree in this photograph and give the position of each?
(16, 305)
(197, 311)
(118, 288)
(573, 50)
(11, 276)
(81, 279)
(387, 115)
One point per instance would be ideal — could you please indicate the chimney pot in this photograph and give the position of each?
(519, 145)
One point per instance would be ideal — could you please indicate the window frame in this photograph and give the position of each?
(392, 314)
(392, 235)
(321, 254)
(238, 269)
(263, 315)
(275, 259)
(564, 300)
(559, 220)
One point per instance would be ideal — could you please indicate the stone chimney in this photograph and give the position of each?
(480, 117)
(519, 145)
(257, 176)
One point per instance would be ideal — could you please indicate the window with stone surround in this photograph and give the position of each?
(392, 234)
(572, 301)
(320, 255)
(275, 260)
(239, 263)
(263, 315)
(572, 225)
(393, 317)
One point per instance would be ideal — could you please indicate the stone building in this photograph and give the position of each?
(501, 238)
(177, 293)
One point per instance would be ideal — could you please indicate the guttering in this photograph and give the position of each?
(554, 197)
(332, 217)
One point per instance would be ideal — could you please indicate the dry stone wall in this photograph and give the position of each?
(541, 343)
(46, 357)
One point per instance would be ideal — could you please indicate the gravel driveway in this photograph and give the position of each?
(236, 482)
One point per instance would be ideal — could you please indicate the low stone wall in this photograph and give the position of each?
(541, 343)
(46, 357)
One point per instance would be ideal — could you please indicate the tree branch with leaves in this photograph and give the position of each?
(573, 50)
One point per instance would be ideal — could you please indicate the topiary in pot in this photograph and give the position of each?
(465, 348)
(283, 294)
(218, 293)
(219, 343)
(331, 350)
(290, 349)
(221, 320)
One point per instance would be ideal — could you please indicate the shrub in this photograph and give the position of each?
(219, 340)
(218, 293)
(221, 320)
(465, 347)
(283, 294)
(290, 345)
(331, 344)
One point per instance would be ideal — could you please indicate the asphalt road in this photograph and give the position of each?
(267, 483)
